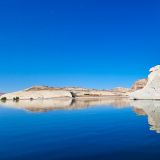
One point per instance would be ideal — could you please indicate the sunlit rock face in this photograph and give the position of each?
(152, 88)
(140, 84)
(151, 108)
(45, 92)
(121, 91)
(42, 94)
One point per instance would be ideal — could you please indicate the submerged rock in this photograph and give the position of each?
(152, 88)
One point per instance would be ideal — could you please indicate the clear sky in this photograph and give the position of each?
(88, 43)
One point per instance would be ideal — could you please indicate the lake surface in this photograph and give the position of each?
(96, 129)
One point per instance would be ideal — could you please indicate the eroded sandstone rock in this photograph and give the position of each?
(152, 88)
(140, 84)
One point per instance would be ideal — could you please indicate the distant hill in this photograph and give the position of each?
(45, 92)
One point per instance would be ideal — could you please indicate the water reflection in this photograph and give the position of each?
(58, 104)
(150, 108)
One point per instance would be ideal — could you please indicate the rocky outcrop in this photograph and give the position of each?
(140, 84)
(152, 88)
(121, 91)
(40, 88)
(96, 93)
(41, 94)
(45, 92)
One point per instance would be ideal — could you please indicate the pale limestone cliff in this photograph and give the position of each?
(152, 88)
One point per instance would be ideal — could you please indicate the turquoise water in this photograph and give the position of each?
(97, 132)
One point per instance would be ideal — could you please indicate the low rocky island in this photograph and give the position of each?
(148, 88)
(45, 92)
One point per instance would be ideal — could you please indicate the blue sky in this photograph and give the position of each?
(88, 43)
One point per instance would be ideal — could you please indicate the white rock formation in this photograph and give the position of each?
(41, 94)
(152, 88)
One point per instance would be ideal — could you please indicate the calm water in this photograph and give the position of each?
(83, 129)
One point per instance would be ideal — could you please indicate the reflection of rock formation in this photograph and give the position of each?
(152, 109)
(88, 102)
(152, 88)
(139, 111)
(58, 104)
(39, 105)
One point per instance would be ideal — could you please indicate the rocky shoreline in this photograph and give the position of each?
(45, 92)
(148, 88)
